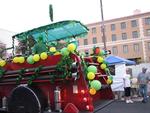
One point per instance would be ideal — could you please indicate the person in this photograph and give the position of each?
(127, 86)
(134, 87)
(143, 80)
(39, 47)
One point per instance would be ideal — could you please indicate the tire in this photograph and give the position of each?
(24, 100)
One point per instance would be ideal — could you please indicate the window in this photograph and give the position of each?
(125, 48)
(147, 32)
(113, 37)
(114, 50)
(124, 36)
(94, 30)
(147, 21)
(134, 23)
(135, 34)
(94, 40)
(148, 44)
(136, 47)
(123, 25)
(85, 42)
(113, 27)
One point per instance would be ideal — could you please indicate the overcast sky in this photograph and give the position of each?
(22, 15)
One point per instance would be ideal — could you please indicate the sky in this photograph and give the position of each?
(21, 15)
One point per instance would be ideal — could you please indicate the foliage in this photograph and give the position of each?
(64, 66)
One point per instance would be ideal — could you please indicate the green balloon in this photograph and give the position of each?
(102, 53)
(92, 69)
(106, 69)
(64, 51)
(110, 77)
(30, 59)
(96, 84)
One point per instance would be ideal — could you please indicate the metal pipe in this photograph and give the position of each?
(103, 27)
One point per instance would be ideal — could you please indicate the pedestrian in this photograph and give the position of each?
(134, 87)
(127, 86)
(143, 80)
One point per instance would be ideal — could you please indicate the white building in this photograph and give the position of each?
(6, 38)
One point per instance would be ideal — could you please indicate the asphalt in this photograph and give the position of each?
(119, 106)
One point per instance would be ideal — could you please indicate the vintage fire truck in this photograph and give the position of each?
(57, 80)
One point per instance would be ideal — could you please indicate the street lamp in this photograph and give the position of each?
(103, 27)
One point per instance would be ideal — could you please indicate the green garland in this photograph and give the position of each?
(2, 72)
(33, 77)
(19, 78)
(64, 67)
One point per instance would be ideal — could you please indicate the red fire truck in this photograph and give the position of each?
(60, 80)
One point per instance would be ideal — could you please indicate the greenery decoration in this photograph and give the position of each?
(64, 67)
(2, 72)
(33, 77)
(19, 78)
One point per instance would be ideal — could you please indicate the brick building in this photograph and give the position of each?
(127, 37)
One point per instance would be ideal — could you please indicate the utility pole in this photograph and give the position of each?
(103, 27)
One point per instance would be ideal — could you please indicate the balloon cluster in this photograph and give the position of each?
(20, 59)
(95, 85)
(35, 58)
(44, 55)
(64, 51)
(103, 64)
(70, 48)
(97, 51)
(30, 59)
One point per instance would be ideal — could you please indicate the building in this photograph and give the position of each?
(2, 47)
(5, 42)
(127, 37)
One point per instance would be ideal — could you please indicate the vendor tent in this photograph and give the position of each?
(115, 60)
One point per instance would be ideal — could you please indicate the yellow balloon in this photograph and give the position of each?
(103, 66)
(21, 59)
(43, 55)
(36, 57)
(90, 75)
(92, 91)
(2, 63)
(71, 47)
(109, 81)
(52, 49)
(16, 59)
(100, 59)
(57, 53)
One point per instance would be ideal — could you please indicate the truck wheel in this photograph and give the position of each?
(23, 100)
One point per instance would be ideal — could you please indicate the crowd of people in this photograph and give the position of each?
(135, 87)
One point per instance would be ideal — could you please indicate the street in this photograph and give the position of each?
(118, 106)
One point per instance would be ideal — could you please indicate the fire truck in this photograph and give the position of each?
(62, 80)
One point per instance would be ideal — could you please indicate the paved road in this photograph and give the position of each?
(121, 107)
